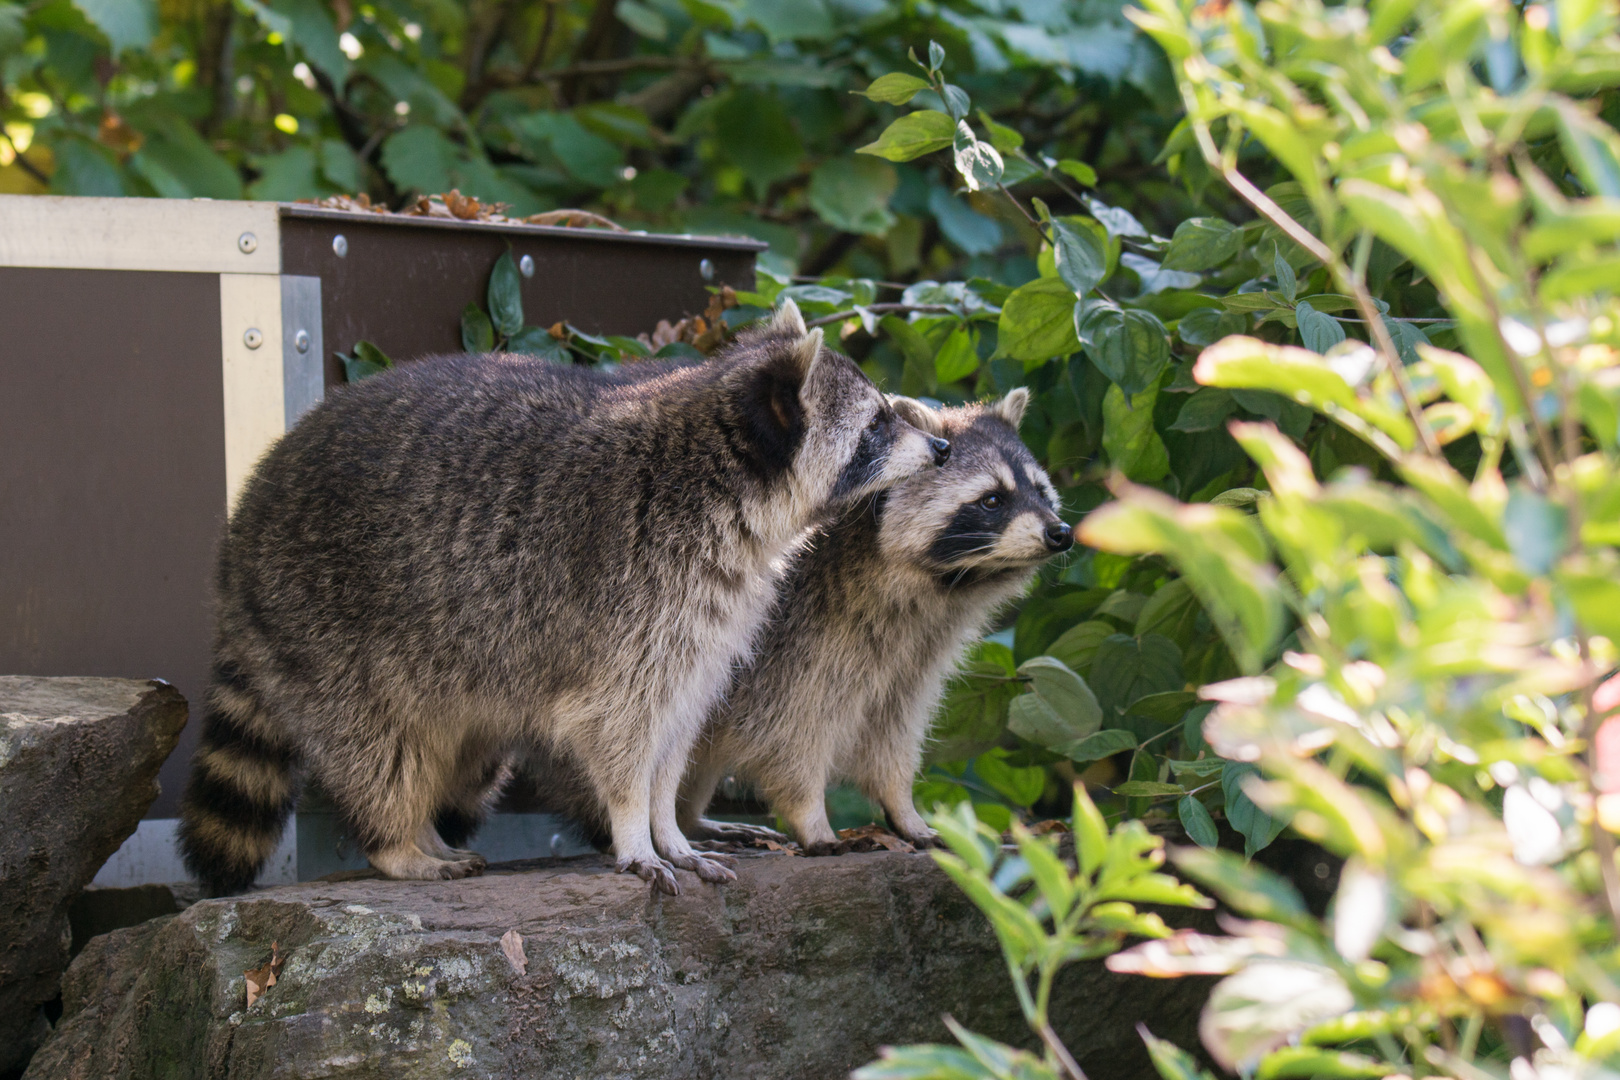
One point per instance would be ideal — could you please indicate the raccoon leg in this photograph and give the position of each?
(460, 816)
(801, 799)
(666, 830)
(241, 790)
(888, 763)
(702, 777)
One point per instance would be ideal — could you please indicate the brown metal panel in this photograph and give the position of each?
(112, 478)
(404, 281)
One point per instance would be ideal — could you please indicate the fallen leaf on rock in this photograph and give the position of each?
(512, 946)
(870, 838)
(1041, 828)
(772, 845)
(263, 978)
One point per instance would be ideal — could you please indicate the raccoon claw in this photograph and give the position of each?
(923, 840)
(735, 831)
(827, 847)
(715, 869)
(655, 872)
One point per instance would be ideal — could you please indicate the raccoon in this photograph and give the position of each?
(864, 632)
(472, 554)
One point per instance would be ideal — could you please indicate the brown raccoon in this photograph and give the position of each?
(469, 555)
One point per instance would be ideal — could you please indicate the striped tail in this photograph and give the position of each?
(240, 794)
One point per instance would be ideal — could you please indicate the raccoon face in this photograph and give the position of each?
(850, 441)
(990, 509)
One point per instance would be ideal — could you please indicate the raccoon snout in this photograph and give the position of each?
(942, 449)
(1059, 537)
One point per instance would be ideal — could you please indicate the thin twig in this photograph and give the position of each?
(925, 309)
(1061, 1052)
(1382, 342)
(537, 57)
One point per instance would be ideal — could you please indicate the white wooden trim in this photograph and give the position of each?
(197, 235)
(255, 397)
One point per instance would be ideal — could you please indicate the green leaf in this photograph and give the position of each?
(1078, 252)
(593, 159)
(962, 225)
(912, 136)
(958, 357)
(1127, 345)
(537, 341)
(1091, 842)
(506, 296)
(1037, 323)
(368, 360)
(1061, 708)
(1206, 410)
(1076, 645)
(311, 29)
(852, 194)
(128, 24)
(1206, 326)
(1196, 820)
(1170, 1060)
(798, 21)
(1246, 887)
(1127, 668)
(1257, 827)
(1592, 148)
(642, 19)
(1078, 171)
(977, 162)
(1287, 284)
(1202, 243)
(1002, 137)
(418, 158)
(1022, 785)
(924, 1062)
(936, 56)
(974, 711)
(894, 88)
(1146, 788)
(1313, 1063)
(1163, 708)
(957, 103)
(1133, 446)
(477, 332)
(1536, 528)
(759, 137)
(1099, 745)
(1319, 332)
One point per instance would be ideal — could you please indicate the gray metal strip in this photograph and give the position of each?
(302, 369)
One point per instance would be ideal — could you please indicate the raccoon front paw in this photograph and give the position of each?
(922, 838)
(715, 869)
(655, 871)
(470, 856)
(451, 869)
(827, 847)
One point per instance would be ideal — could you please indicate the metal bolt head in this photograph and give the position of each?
(340, 245)
(706, 268)
(526, 265)
(247, 243)
(252, 338)
(301, 341)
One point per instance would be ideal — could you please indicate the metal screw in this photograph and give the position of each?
(526, 264)
(247, 243)
(301, 341)
(706, 268)
(340, 244)
(252, 338)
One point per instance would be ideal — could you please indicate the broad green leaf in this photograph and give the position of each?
(1133, 445)
(1022, 785)
(1165, 707)
(758, 136)
(13, 31)
(1217, 550)
(506, 296)
(311, 29)
(1206, 410)
(1066, 694)
(419, 158)
(1078, 171)
(1245, 363)
(368, 360)
(1091, 841)
(1076, 645)
(1147, 788)
(128, 24)
(957, 103)
(1592, 147)
(1313, 1063)
(1079, 254)
(1051, 876)
(1037, 323)
(1202, 243)
(1537, 529)
(1196, 820)
(977, 698)
(1206, 326)
(1127, 345)
(1002, 137)
(1128, 668)
(958, 357)
(924, 1062)
(1257, 827)
(1245, 887)
(895, 88)
(1319, 332)
(642, 19)
(912, 136)
(1287, 284)
(1098, 745)
(1593, 588)
(852, 194)
(537, 341)
(798, 21)
(1169, 1060)
(977, 162)
(477, 333)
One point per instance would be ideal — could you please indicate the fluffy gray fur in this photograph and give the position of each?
(866, 628)
(467, 556)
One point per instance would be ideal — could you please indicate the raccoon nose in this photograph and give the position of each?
(1059, 537)
(942, 449)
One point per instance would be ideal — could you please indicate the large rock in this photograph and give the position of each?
(78, 768)
(799, 970)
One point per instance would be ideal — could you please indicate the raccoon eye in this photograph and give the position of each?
(877, 422)
(991, 502)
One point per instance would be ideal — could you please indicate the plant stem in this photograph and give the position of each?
(1382, 342)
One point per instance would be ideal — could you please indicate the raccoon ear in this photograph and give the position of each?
(805, 351)
(1011, 408)
(787, 320)
(917, 414)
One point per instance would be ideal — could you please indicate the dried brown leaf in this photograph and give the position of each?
(263, 978)
(512, 946)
